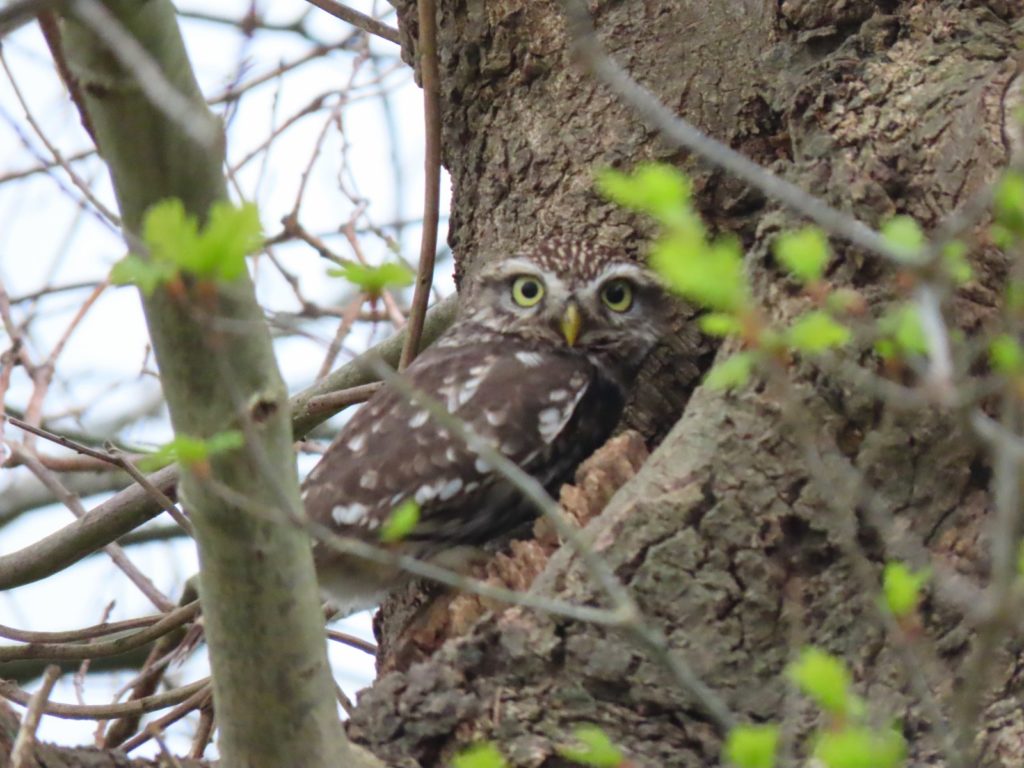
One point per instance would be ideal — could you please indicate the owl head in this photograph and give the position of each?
(570, 294)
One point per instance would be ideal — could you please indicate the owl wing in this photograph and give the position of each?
(545, 411)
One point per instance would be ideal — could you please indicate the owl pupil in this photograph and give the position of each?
(529, 289)
(615, 294)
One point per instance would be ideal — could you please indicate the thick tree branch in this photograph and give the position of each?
(257, 582)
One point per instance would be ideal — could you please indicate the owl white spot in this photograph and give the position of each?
(529, 359)
(449, 453)
(551, 421)
(428, 492)
(348, 514)
(496, 418)
(357, 443)
(550, 416)
(482, 466)
(368, 480)
(449, 489)
(419, 419)
(457, 394)
(509, 449)
(396, 498)
(577, 380)
(558, 395)
(479, 371)
(466, 392)
(470, 487)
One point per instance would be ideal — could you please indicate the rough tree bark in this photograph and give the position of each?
(725, 537)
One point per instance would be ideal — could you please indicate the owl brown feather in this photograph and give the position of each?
(511, 374)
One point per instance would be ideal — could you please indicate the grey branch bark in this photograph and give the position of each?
(272, 685)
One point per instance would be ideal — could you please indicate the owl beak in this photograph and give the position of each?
(571, 322)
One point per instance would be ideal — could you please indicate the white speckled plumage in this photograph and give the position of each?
(511, 373)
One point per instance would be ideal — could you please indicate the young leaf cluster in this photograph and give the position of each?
(709, 272)
(592, 748)
(848, 741)
(177, 247)
(192, 452)
(373, 281)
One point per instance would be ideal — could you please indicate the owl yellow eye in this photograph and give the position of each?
(527, 291)
(617, 295)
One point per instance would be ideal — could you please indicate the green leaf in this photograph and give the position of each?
(170, 234)
(1015, 295)
(400, 522)
(861, 747)
(223, 442)
(823, 678)
(904, 235)
(1008, 203)
(375, 280)
(816, 332)
(1002, 237)
(484, 755)
(902, 328)
(954, 258)
(901, 588)
(1020, 559)
(709, 275)
(188, 450)
(229, 236)
(597, 749)
(217, 253)
(1006, 355)
(752, 746)
(732, 373)
(719, 324)
(804, 253)
(147, 275)
(654, 188)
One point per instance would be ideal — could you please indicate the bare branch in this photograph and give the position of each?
(357, 19)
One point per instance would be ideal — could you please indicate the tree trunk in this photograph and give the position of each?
(734, 545)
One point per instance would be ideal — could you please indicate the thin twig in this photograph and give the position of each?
(96, 650)
(55, 153)
(204, 730)
(336, 401)
(1005, 527)
(357, 19)
(432, 177)
(196, 700)
(78, 635)
(24, 743)
(352, 641)
(114, 457)
(162, 499)
(155, 730)
(72, 502)
(153, 703)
